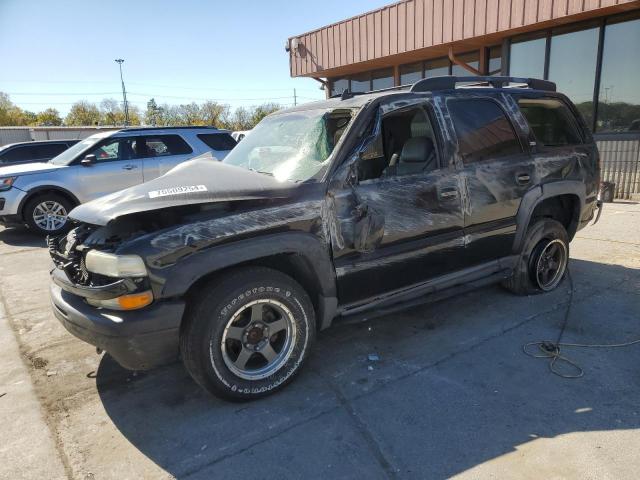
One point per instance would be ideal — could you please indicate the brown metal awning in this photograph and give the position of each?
(413, 30)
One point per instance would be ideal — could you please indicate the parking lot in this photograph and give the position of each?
(432, 392)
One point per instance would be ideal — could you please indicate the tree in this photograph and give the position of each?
(83, 113)
(134, 115)
(10, 114)
(241, 119)
(29, 118)
(49, 118)
(190, 114)
(262, 111)
(110, 112)
(153, 115)
(215, 114)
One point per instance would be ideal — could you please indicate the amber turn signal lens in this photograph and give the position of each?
(135, 300)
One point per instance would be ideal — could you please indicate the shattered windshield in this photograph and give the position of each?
(292, 146)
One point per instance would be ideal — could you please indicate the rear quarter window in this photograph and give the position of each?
(551, 121)
(483, 129)
(218, 141)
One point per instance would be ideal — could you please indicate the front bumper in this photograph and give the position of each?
(12, 200)
(137, 339)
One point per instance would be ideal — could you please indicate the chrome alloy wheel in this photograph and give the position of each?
(551, 265)
(49, 215)
(258, 339)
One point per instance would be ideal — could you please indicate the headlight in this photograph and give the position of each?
(112, 265)
(6, 183)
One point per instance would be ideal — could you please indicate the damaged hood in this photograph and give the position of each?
(201, 180)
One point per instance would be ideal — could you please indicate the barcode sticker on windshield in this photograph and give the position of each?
(167, 192)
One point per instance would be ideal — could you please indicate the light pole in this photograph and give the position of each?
(120, 61)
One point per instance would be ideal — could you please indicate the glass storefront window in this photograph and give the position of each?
(572, 66)
(436, 68)
(382, 79)
(339, 85)
(361, 82)
(495, 60)
(410, 74)
(527, 58)
(619, 99)
(472, 59)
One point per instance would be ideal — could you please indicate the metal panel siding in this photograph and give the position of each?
(410, 25)
(504, 15)
(620, 161)
(517, 13)
(343, 44)
(480, 18)
(27, 134)
(402, 28)
(438, 15)
(356, 41)
(560, 8)
(492, 15)
(377, 35)
(370, 37)
(393, 30)
(458, 20)
(419, 19)
(545, 10)
(575, 6)
(385, 32)
(530, 12)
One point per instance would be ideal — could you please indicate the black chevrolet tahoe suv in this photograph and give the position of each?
(351, 206)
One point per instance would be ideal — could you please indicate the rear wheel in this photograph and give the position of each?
(46, 214)
(544, 259)
(247, 334)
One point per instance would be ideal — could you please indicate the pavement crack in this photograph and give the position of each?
(372, 444)
(193, 471)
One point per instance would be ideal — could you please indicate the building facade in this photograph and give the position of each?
(589, 48)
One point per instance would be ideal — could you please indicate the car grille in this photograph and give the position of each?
(68, 257)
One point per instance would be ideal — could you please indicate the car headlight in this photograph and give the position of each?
(112, 265)
(6, 183)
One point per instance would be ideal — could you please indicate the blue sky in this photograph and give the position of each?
(55, 52)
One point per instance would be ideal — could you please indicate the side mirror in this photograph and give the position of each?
(88, 160)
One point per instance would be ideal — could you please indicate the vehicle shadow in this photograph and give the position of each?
(19, 236)
(450, 391)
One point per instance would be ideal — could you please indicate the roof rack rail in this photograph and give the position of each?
(448, 82)
(346, 93)
(187, 127)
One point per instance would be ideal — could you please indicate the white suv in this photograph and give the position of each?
(42, 194)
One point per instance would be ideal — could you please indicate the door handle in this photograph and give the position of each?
(129, 167)
(523, 178)
(448, 193)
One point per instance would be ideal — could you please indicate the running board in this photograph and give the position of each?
(435, 294)
(501, 268)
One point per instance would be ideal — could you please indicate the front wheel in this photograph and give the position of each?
(247, 334)
(46, 214)
(544, 259)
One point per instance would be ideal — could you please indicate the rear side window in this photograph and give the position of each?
(160, 146)
(20, 154)
(50, 150)
(218, 141)
(484, 132)
(552, 122)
